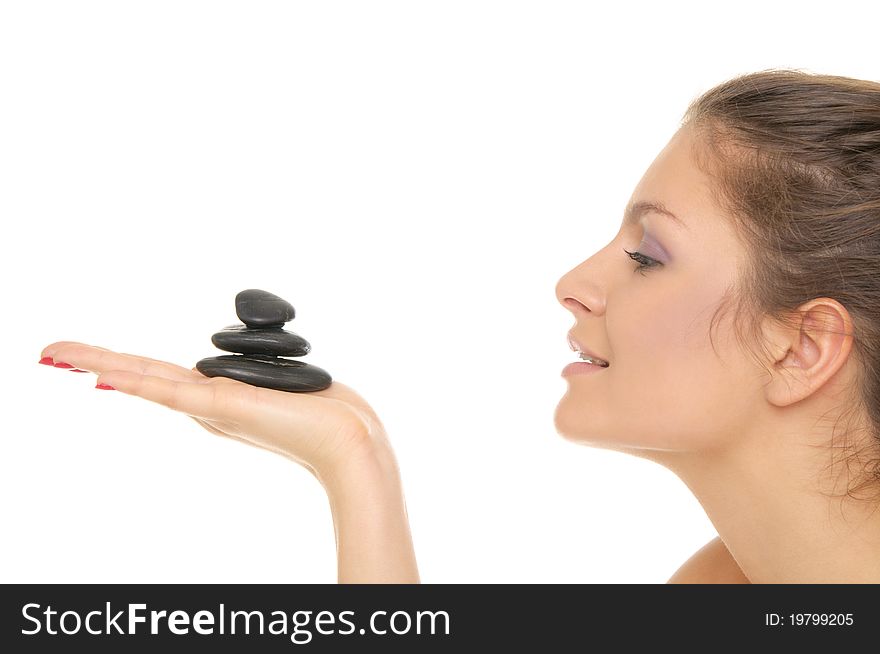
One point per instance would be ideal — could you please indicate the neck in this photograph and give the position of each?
(783, 510)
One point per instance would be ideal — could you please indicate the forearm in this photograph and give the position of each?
(373, 539)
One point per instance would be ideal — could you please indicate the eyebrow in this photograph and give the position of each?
(638, 209)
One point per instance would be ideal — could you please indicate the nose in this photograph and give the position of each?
(578, 291)
(575, 306)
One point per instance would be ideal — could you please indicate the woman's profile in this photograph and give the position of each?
(738, 311)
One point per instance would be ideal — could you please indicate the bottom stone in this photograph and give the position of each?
(267, 372)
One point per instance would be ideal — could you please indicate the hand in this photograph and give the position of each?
(333, 433)
(321, 430)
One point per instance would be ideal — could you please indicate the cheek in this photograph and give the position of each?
(666, 377)
(665, 329)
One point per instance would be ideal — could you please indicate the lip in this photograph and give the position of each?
(578, 346)
(581, 368)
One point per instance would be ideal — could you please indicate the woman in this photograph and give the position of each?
(743, 348)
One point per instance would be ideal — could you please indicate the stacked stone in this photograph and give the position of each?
(259, 345)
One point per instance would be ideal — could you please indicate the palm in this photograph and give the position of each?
(302, 426)
(337, 404)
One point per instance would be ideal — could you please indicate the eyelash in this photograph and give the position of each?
(643, 261)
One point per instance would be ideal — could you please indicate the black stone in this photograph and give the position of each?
(261, 340)
(267, 372)
(256, 308)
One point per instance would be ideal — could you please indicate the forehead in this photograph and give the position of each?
(674, 181)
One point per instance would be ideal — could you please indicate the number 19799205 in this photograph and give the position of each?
(808, 619)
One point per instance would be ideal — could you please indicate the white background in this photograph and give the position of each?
(414, 177)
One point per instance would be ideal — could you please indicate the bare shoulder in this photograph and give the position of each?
(711, 564)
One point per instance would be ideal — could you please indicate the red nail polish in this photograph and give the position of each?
(105, 387)
(61, 364)
(77, 370)
(47, 361)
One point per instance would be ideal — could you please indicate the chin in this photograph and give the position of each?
(575, 426)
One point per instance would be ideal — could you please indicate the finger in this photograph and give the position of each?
(99, 359)
(54, 347)
(51, 350)
(213, 401)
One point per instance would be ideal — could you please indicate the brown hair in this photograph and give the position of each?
(795, 162)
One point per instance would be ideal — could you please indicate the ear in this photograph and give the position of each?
(808, 353)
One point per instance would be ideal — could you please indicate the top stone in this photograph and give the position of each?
(256, 308)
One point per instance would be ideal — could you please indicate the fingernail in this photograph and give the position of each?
(61, 364)
(77, 370)
(47, 361)
(105, 387)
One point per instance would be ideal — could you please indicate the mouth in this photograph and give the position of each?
(594, 360)
(584, 354)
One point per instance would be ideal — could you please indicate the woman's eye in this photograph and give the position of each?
(643, 261)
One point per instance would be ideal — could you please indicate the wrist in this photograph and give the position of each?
(370, 521)
(368, 467)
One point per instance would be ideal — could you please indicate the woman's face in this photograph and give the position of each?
(665, 388)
